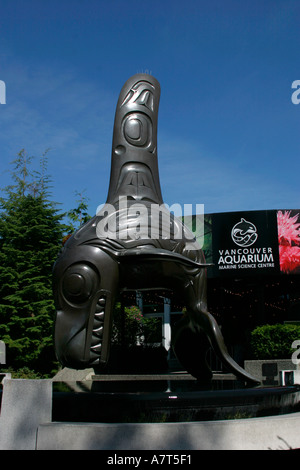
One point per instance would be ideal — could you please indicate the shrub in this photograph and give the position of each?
(274, 341)
(131, 328)
(23, 373)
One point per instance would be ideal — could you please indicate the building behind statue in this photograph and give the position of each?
(255, 277)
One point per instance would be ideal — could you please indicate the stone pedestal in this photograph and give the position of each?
(27, 422)
(25, 404)
(275, 432)
(268, 370)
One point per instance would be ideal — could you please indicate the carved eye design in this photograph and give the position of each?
(137, 129)
(79, 282)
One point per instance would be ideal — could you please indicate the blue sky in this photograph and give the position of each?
(229, 134)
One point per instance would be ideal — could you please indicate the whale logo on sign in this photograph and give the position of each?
(244, 233)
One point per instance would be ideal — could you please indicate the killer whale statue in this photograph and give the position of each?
(127, 246)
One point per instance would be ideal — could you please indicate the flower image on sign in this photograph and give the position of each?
(289, 241)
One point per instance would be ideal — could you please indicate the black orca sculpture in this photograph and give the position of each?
(133, 242)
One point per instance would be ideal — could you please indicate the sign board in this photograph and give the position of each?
(250, 243)
(245, 243)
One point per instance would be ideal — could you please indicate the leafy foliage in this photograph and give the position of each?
(131, 328)
(30, 238)
(23, 373)
(79, 215)
(274, 341)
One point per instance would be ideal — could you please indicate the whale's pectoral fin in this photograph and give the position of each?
(208, 324)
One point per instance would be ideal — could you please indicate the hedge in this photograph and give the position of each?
(274, 341)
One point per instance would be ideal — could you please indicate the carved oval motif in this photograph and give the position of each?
(136, 129)
(133, 128)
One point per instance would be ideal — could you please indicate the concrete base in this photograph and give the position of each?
(25, 404)
(244, 434)
(72, 375)
(26, 424)
(268, 370)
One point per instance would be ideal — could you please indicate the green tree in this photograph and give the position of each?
(79, 215)
(31, 233)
